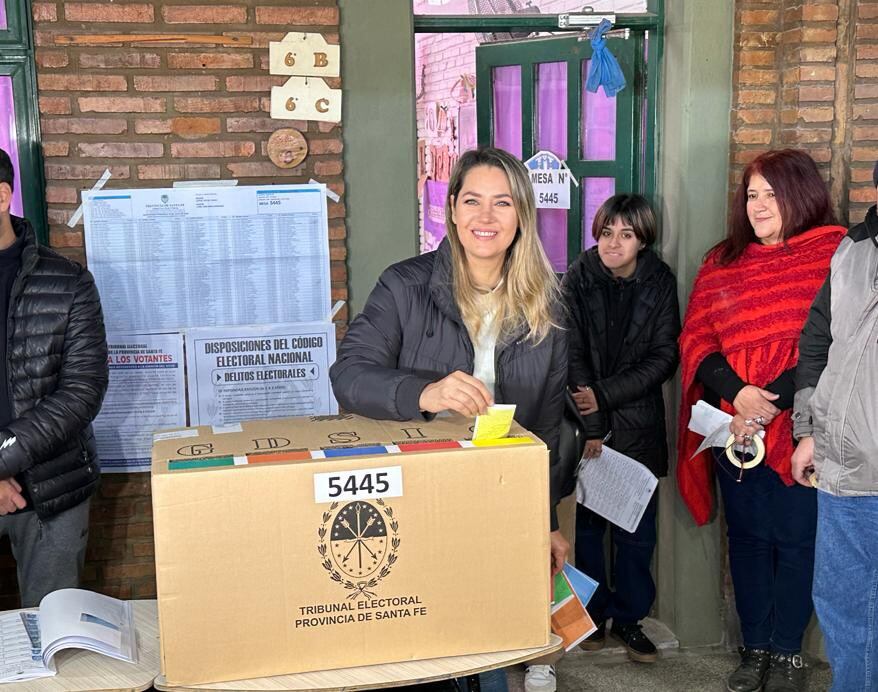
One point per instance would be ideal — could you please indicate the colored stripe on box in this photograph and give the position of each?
(200, 463)
(279, 456)
(428, 446)
(354, 451)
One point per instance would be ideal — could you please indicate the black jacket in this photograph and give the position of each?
(57, 372)
(411, 334)
(627, 384)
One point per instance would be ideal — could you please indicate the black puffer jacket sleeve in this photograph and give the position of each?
(366, 377)
(656, 367)
(58, 417)
(813, 355)
(580, 372)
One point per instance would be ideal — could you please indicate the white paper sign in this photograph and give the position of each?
(146, 393)
(550, 179)
(306, 98)
(245, 373)
(304, 54)
(358, 485)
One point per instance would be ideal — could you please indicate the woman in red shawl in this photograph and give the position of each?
(739, 349)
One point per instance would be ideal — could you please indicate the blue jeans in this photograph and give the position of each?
(771, 531)
(846, 588)
(489, 681)
(635, 588)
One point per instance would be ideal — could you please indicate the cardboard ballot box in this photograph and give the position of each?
(306, 544)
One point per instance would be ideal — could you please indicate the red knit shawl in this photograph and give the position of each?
(752, 311)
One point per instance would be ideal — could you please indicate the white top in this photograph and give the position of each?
(485, 341)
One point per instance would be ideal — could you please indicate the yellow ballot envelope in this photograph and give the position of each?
(494, 424)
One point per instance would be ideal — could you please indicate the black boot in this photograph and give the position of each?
(786, 673)
(638, 645)
(750, 674)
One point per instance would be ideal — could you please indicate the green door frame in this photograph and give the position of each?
(17, 62)
(528, 53)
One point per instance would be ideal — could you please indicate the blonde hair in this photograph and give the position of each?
(529, 294)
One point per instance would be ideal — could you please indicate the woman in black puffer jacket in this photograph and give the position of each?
(624, 324)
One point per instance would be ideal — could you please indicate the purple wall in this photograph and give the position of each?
(8, 137)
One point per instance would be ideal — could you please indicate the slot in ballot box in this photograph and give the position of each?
(324, 542)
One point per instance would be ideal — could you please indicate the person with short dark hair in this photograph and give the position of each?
(53, 376)
(739, 351)
(836, 409)
(624, 322)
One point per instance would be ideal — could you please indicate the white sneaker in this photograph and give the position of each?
(539, 679)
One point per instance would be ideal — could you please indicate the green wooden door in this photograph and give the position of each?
(531, 96)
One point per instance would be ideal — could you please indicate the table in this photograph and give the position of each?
(385, 675)
(86, 671)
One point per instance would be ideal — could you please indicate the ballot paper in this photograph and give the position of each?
(616, 487)
(495, 423)
(713, 424)
(570, 620)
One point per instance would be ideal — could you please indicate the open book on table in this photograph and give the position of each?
(67, 618)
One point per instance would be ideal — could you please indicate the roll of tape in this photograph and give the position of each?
(758, 445)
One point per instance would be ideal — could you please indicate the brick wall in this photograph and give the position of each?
(805, 76)
(153, 114)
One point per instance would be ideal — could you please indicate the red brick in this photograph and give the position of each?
(859, 153)
(55, 105)
(817, 53)
(202, 171)
(152, 126)
(45, 12)
(216, 104)
(327, 168)
(867, 10)
(337, 229)
(817, 115)
(757, 77)
(820, 154)
(81, 82)
(868, 111)
(820, 13)
(865, 91)
(817, 73)
(257, 39)
(204, 14)
(338, 272)
(816, 93)
(56, 194)
(759, 39)
(181, 83)
(121, 104)
(51, 149)
(867, 70)
(65, 238)
(113, 150)
(144, 549)
(867, 31)
(262, 124)
(80, 172)
(811, 135)
(213, 149)
(211, 61)
(863, 194)
(162, 171)
(756, 116)
(108, 12)
(317, 147)
(861, 175)
(757, 58)
(84, 126)
(326, 127)
(812, 34)
(865, 133)
(58, 217)
(264, 169)
(145, 589)
(250, 83)
(135, 569)
(297, 16)
(51, 58)
(192, 128)
(116, 60)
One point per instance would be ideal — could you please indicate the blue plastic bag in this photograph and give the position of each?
(604, 69)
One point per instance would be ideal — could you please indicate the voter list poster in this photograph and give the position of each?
(246, 373)
(170, 259)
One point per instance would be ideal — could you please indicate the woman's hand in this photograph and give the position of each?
(754, 403)
(743, 429)
(456, 392)
(585, 400)
(593, 449)
(559, 549)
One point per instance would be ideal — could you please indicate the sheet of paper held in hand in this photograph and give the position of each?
(713, 424)
(615, 486)
(495, 423)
